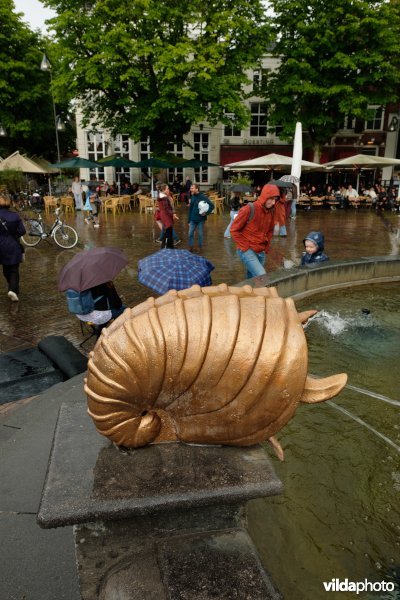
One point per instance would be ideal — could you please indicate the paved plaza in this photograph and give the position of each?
(42, 309)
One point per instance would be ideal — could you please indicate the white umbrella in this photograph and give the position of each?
(359, 161)
(22, 163)
(268, 161)
(297, 155)
(362, 161)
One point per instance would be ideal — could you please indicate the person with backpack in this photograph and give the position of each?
(11, 250)
(102, 300)
(253, 229)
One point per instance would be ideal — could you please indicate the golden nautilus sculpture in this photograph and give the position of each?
(215, 365)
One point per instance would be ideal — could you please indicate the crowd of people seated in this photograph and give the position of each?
(380, 196)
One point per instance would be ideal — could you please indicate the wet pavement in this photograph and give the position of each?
(42, 309)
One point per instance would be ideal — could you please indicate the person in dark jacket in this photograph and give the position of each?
(107, 304)
(11, 249)
(314, 245)
(198, 215)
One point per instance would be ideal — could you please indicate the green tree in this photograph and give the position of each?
(26, 109)
(153, 68)
(337, 57)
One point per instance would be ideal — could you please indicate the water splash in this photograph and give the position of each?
(336, 323)
(332, 322)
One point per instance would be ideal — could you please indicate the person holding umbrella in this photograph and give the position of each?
(107, 304)
(93, 270)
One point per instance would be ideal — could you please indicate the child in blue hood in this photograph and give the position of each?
(314, 245)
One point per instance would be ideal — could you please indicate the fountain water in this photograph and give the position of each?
(339, 515)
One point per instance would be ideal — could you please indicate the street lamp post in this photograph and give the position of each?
(45, 65)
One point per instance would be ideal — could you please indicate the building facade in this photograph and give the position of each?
(226, 144)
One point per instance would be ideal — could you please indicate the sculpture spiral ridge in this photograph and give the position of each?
(213, 365)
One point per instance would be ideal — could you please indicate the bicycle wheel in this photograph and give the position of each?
(65, 236)
(33, 236)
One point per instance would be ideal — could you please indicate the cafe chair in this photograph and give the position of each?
(49, 203)
(67, 203)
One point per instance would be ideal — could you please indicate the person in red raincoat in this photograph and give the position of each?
(253, 228)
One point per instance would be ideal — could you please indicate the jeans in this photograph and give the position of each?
(293, 209)
(167, 240)
(78, 201)
(253, 261)
(192, 227)
(233, 214)
(174, 235)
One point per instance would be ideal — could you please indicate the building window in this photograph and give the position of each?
(97, 149)
(201, 149)
(177, 150)
(230, 130)
(375, 122)
(121, 148)
(347, 123)
(258, 76)
(258, 123)
(145, 153)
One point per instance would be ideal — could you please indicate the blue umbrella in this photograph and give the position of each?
(171, 269)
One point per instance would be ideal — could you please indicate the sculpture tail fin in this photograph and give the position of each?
(318, 390)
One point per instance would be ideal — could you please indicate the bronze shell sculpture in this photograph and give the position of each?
(215, 365)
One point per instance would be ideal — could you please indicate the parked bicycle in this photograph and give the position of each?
(64, 235)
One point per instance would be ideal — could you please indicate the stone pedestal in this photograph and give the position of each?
(161, 522)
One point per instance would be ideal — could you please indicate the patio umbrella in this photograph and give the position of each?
(171, 269)
(359, 161)
(76, 163)
(297, 157)
(22, 163)
(362, 161)
(151, 163)
(91, 267)
(242, 188)
(269, 161)
(118, 162)
(196, 163)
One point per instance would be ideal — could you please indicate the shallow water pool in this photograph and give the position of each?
(339, 516)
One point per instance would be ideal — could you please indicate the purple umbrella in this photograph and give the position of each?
(91, 267)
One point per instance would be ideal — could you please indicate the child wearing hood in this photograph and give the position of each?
(314, 245)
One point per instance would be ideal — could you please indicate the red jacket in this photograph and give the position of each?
(256, 234)
(166, 211)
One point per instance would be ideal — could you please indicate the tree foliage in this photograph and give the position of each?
(26, 109)
(337, 57)
(153, 68)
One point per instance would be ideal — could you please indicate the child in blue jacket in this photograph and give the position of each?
(314, 245)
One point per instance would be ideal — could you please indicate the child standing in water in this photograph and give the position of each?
(314, 245)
